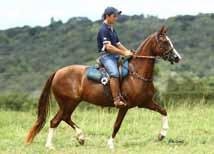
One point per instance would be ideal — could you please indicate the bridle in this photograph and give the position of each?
(166, 56)
(134, 73)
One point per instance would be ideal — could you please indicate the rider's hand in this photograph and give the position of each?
(128, 53)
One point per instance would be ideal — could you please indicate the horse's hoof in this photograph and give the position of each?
(81, 141)
(80, 137)
(50, 147)
(161, 137)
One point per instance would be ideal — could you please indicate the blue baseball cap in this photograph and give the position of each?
(111, 10)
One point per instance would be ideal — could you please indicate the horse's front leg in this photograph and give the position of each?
(120, 116)
(155, 107)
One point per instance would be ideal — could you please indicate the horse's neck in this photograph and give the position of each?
(144, 66)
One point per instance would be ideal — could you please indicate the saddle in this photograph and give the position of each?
(99, 74)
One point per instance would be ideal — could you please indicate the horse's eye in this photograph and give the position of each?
(166, 43)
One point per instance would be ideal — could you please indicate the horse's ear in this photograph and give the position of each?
(165, 30)
(162, 31)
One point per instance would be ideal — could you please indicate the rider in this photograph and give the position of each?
(111, 48)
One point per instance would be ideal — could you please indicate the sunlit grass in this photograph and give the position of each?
(191, 131)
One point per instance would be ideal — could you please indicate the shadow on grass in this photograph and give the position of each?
(176, 142)
(145, 142)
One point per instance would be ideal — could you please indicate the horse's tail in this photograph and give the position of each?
(43, 109)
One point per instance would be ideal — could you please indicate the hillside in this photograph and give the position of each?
(29, 54)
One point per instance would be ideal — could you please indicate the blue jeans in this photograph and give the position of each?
(110, 62)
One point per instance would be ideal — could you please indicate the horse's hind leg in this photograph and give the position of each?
(66, 109)
(70, 107)
(79, 134)
(53, 125)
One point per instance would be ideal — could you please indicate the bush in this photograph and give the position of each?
(17, 102)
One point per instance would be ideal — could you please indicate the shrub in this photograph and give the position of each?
(17, 102)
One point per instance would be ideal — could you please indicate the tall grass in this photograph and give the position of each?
(191, 131)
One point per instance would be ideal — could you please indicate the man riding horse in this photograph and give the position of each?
(70, 85)
(111, 49)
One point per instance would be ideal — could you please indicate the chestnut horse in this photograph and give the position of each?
(70, 86)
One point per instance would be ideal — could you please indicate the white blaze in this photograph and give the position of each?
(174, 50)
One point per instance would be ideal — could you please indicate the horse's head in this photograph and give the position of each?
(164, 47)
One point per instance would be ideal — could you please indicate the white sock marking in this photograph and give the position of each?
(79, 134)
(165, 126)
(49, 143)
(111, 143)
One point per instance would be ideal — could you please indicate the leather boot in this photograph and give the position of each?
(115, 90)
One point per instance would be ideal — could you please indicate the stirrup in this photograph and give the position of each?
(119, 103)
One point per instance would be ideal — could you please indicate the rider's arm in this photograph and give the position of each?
(107, 46)
(121, 46)
(114, 50)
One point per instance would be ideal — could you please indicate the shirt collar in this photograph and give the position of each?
(109, 26)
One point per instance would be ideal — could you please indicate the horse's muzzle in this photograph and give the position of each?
(174, 57)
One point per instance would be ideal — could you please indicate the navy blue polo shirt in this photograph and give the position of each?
(105, 35)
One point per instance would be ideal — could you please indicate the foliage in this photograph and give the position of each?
(17, 102)
(29, 54)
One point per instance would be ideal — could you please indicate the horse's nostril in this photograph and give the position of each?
(177, 59)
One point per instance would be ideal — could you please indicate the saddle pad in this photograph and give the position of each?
(100, 74)
(93, 73)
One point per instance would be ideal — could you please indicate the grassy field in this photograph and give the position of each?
(191, 132)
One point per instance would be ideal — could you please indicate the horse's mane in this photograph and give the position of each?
(143, 43)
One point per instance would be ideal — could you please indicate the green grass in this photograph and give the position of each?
(191, 131)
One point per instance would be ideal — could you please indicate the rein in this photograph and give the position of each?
(145, 57)
(133, 72)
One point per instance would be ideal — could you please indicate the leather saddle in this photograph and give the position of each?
(99, 74)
